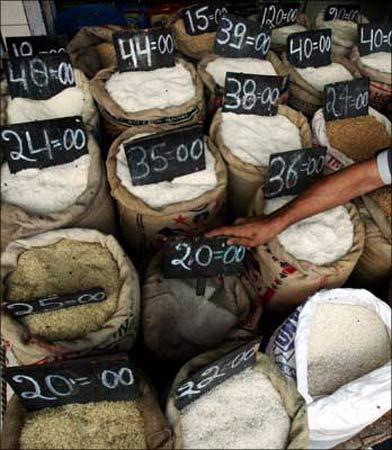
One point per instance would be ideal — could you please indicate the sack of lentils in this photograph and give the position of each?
(315, 253)
(306, 85)
(376, 67)
(337, 348)
(247, 141)
(164, 98)
(212, 70)
(255, 408)
(92, 49)
(66, 262)
(148, 214)
(177, 324)
(74, 194)
(344, 32)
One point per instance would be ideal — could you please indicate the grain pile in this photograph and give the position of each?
(318, 77)
(279, 35)
(379, 61)
(346, 342)
(102, 425)
(63, 268)
(245, 411)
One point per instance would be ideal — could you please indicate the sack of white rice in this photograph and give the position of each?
(255, 408)
(150, 213)
(66, 262)
(306, 86)
(74, 194)
(247, 141)
(318, 252)
(344, 31)
(212, 70)
(337, 347)
(164, 98)
(178, 324)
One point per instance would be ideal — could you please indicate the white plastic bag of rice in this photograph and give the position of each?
(337, 346)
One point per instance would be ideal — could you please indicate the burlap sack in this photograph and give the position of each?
(214, 92)
(293, 402)
(244, 179)
(157, 432)
(341, 43)
(116, 120)
(92, 50)
(120, 330)
(92, 209)
(303, 96)
(144, 228)
(380, 84)
(283, 282)
(176, 327)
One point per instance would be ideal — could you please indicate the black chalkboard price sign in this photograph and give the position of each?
(291, 172)
(213, 375)
(202, 258)
(346, 99)
(241, 38)
(374, 37)
(39, 77)
(202, 19)
(165, 156)
(348, 12)
(251, 94)
(144, 50)
(102, 378)
(279, 14)
(24, 46)
(309, 48)
(50, 303)
(43, 143)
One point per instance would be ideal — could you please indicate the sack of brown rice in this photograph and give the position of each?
(344, 32)
(148, 214)
(178, 324)
(92, 49)
(247, 141)
(212, 70)
(315, 253)
(376, 67)
(66, 262)
(306, 86)
(255, 408)
(74, 194)
(337, 347)
(163, 98)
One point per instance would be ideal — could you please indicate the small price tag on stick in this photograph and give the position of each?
(102, 378)
(144, 50)
(43, 143)
(291, 172)
(348, 12)
(211, 376)
(251, 94)
(374, 37)
(241, 38)
(278, 14)
(39, 77)
(309, 48)
(24, 46)
(202, 19)
(346, 99)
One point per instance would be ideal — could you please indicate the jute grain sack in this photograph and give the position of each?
(143, 227)
(116, 120)
(93, 208)
(303, 96)
(214, 92)
(283, 281)
(245, 179)
(120, 328)
(92, 50)
(157, 434)
(293, 403)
